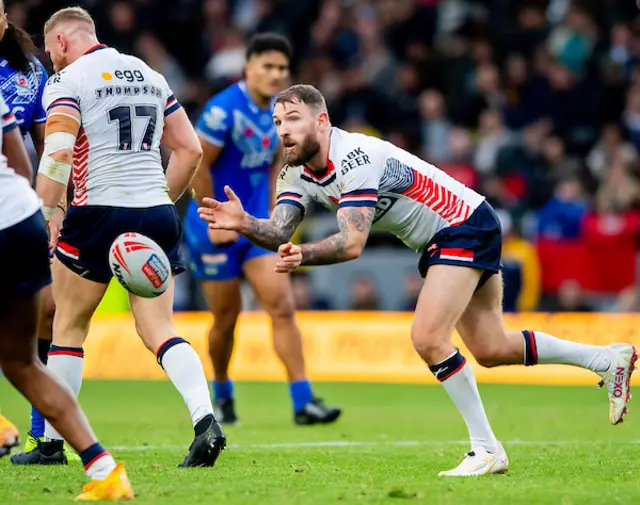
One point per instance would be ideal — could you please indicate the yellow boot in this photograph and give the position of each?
(9, 436)
(115, 487)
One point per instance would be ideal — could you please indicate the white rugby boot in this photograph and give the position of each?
(480, 462)
(617, 379)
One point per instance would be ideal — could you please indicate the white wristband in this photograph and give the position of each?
(47, 212)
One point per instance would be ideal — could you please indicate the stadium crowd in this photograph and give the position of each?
(534, 103)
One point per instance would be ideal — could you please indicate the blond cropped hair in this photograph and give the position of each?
(70, 14)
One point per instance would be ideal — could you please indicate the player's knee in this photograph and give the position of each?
(429, 340)
(224, 323)
(281, 309)
(17, 369)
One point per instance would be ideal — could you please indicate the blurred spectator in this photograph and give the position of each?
(521, 274)
(561, 217)
(459, 165)
(150, 49)
(304, 296)
(619, 190)
(493, 137)
(570, 298)
(572, 41)
(622, 50)
(485, 93)
(227, 64)
(360, 101)
(610, 146)
(412, 286)
(363, 294)
(436, 127)
(632, 115)
(559, 164)
(122, 29)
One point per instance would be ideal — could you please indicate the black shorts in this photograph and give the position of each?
(88, 233)
(24, 253)
(476, 243)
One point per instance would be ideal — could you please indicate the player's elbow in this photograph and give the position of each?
(354, 249)
(194, 154)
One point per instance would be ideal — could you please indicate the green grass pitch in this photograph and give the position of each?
(387, 449)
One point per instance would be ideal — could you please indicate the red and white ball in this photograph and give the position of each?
(140, 265)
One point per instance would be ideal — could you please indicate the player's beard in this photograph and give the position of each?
(303, 152)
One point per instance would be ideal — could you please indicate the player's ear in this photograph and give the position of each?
(62, 41)
(323, 120)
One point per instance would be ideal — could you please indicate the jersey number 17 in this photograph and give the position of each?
(124, 115)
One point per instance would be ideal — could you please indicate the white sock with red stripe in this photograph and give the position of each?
(457, 378)
(66, 363)
(183, 366)
(542, 348)
(98, 463)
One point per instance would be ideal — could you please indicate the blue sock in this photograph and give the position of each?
(301, 394)
(222, 390)
(37, 423)
(91, 454)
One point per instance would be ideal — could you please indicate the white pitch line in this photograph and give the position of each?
(342, 443)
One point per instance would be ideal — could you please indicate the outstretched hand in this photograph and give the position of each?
(227, 215)
(290, 258)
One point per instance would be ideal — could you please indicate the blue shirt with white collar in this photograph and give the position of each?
(233, 121)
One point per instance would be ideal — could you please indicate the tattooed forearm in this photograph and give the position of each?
(354, 224)
(278, 229)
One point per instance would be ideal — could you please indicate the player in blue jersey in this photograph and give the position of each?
(240, 142)
(22, 80)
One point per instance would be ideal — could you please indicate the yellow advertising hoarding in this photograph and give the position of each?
(345, 346)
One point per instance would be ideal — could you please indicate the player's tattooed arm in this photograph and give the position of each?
(354, 224)
(278, 229)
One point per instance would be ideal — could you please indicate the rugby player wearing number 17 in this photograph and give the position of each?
(107, 114)
(455, 230)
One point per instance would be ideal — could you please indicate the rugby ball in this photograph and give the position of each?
(140, 265)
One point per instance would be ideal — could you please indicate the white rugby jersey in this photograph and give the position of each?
(122, 104)
(18, 200)
(414, 199)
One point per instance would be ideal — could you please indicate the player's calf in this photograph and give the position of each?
(615, 364)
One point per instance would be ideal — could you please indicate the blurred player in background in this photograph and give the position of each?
(368, 181)
(107, 114)
(22, 81)
(23, 250)
(239, 143)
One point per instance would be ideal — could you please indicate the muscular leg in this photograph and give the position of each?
(154, 323)
(446, 292)
(276, 296)
(76, 301)
(224, 302)
(31, 378)
(481, 328)
(18, 316)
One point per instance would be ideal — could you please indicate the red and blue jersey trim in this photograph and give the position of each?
(290, 198)
(66, 101)
(9, 122)
(359, 198)
(172, 105)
